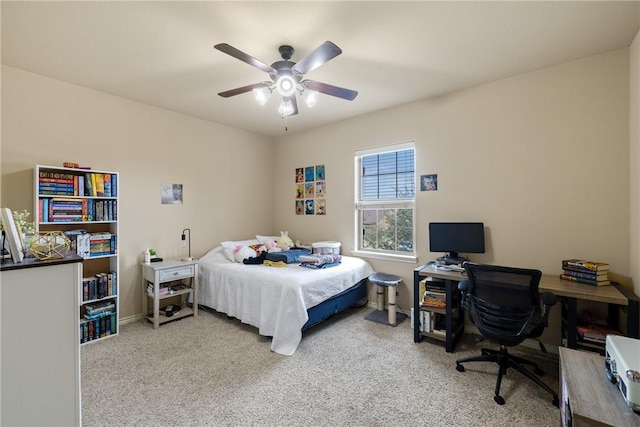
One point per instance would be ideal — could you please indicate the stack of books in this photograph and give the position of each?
(587, 272)
(433, 294)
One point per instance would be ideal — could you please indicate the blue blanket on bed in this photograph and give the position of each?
(289, 257)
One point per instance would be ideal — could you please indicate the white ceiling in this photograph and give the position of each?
(161, 53)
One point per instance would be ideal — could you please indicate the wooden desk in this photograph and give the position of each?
(587, 397)
(569, 292)
(614, 295)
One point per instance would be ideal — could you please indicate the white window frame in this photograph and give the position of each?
(361, 205)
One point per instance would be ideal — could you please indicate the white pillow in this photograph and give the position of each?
(263, 239)
(229, 247)
(245, 252)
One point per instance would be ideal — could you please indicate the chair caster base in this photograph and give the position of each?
(556, 402)
(459, 368)
(539, 372)
(499, 400)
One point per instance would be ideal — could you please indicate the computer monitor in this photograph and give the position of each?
(455, 238)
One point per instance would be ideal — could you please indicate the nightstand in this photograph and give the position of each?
(168, 279)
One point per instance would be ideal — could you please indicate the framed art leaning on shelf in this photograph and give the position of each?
(11, 232)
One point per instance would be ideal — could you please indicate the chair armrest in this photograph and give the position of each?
(463, 285)
(548, 300)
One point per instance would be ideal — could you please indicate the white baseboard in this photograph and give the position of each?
(131, 319)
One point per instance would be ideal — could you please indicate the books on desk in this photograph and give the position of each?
(586, 272)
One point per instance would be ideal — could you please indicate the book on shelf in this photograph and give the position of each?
(106, 178)
(434, 299)
(585, 264)
(88, 184)
(101, 286)
(94, 188)
(99, 184)
(585, 281)
(56, 175)
(114, 185)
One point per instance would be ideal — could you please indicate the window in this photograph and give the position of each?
(385, 199)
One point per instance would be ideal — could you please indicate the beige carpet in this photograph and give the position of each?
(211, 370)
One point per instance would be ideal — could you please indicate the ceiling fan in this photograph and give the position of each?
(287, 77)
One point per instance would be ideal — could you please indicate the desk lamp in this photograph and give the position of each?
(189, 257)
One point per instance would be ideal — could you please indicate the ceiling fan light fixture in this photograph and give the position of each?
(286, 85)
(310, 97)
(286, 107)
(262, 94)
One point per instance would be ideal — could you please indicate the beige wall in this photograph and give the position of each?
(46, 121)
(540, 158)
(634, 159)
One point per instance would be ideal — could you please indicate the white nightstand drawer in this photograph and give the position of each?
(176, 273)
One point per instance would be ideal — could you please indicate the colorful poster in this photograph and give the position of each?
(309, 174)
(309, 207)
(311, 190)
(429, 182)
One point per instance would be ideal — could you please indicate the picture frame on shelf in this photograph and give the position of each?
(12, 235)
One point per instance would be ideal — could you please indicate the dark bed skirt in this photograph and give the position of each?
(355, 295)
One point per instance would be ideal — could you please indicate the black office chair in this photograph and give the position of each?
(504, 304)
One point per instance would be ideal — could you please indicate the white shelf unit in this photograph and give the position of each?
(157, 273)
(99, 215)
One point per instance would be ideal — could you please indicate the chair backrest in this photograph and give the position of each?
(503, 302)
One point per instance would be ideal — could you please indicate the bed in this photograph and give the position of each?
(280, 301)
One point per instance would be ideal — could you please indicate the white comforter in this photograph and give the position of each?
(273, 299)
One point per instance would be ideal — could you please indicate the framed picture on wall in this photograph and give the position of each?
(12, 236)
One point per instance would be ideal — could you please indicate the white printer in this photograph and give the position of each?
(622, 367)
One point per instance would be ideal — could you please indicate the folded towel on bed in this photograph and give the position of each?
(290, 257)
(325, 265)
(320, 259)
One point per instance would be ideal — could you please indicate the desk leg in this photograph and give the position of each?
(417, 336)
(570, 316)
(448, 321)
(633, 319)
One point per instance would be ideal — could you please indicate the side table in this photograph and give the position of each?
(157, 273)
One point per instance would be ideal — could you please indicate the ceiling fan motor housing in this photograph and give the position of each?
(286, 52)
